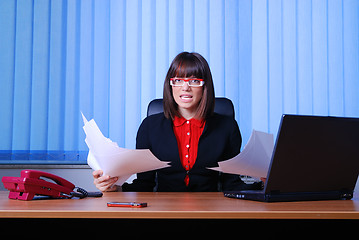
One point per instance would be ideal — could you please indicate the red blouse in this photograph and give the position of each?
(187, 134)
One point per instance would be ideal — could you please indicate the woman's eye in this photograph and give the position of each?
(195, 82)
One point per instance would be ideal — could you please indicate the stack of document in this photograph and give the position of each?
(255, 158)
(113, 160)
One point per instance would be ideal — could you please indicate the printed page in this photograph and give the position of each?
(255, 158)
(113, 160)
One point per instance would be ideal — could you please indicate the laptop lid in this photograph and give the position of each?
(314, 154)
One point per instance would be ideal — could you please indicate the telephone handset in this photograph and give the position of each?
(33, 182)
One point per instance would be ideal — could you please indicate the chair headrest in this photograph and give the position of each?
(222, 106)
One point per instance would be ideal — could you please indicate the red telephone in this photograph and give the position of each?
(32, 183)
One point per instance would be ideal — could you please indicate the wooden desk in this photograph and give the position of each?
(176, 206)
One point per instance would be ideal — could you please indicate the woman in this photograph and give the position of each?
(188, 134)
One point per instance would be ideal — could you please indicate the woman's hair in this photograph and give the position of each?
(185, 65)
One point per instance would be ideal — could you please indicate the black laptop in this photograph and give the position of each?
(314, 158)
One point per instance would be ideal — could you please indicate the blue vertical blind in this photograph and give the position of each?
(109, 58)
(304, 59)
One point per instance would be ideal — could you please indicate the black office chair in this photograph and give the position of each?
(222, 106)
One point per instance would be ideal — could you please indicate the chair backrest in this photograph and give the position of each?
(222, 106)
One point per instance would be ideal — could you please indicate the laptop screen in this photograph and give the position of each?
(315, 154)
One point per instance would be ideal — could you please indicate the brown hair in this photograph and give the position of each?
(184, 65)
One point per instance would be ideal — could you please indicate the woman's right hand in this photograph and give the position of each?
(104, 183)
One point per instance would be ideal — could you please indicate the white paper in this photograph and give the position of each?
(113, 160)
(255, 158)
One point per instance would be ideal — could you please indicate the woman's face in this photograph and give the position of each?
(187, 99)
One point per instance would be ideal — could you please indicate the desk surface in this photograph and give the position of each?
(176, 206)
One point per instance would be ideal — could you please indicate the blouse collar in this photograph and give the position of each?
(179, 121)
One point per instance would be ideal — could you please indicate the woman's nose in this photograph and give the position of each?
(186, 86)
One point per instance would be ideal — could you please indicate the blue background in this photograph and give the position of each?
(109, 58)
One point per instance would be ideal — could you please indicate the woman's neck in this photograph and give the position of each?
(187, 113)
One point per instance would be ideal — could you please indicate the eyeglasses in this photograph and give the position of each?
(192, 82)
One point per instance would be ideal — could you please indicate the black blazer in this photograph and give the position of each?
(220, 140)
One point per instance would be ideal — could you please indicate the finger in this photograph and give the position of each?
(105, 180)
(100, 180)
(102, 186)
(97, 173)
(107, 185)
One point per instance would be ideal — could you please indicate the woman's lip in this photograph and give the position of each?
(186, 98)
